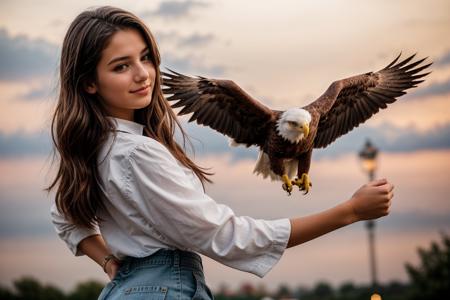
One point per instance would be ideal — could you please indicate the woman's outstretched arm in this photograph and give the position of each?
(371, 201)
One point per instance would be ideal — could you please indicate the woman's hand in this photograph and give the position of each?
(372, 200)
(112, 266)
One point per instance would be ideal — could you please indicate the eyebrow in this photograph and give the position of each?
(124, 57)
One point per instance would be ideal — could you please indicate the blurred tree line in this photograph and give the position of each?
(429, 280)
(28, 288)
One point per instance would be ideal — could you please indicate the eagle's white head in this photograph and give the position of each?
(293, 124)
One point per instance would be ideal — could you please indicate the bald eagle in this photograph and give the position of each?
(286, 139)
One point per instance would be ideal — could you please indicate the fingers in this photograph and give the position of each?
(377, 182)
(390, 195)
(387, 189)
(391, 188)
(388, 205)
(388, 199)
(382, 185)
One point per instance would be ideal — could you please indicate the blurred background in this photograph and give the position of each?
(284, 53)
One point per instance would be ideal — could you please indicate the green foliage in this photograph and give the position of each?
(349, 291)
(86, 291)
(322, 290)
(6, 294)
(283, 292)
(28, 288)
(431, 279)
(52, 293)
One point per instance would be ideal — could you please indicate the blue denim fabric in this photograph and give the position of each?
(165, 275)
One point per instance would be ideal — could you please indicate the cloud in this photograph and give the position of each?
(191, 64)
(56, 23)
(193, 40)
(408, 221)
(389, 138)
(196, 40)
(435, 89)
(163, 36)
(26, 217)
(206, 141)
(444, 60)
(22, 144)
(24, 58)
(45, 91)
(174, 9)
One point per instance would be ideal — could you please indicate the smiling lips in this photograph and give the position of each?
(142, 91)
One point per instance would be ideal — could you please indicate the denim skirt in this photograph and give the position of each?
(166, 274)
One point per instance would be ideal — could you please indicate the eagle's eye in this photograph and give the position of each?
(292, 123)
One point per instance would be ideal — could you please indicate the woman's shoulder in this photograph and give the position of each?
(132, 146)
(124, 151)
(137, 154)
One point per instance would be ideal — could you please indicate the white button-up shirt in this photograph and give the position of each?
(152, 201)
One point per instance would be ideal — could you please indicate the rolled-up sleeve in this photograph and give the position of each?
(72, 235)
(186, 217)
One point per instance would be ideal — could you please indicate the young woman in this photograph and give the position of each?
(126, 193)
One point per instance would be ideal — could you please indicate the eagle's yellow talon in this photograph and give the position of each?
(303, 183)
(287, 189)
(287, 184)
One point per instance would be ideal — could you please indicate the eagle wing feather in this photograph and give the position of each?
(221, 105)
(363, 96)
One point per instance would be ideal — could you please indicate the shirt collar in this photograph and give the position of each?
(128, 126)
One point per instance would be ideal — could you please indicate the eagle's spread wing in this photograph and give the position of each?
(221, 105)
(365, 95)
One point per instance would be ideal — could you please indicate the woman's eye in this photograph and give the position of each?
(120, 67)
(146, 57)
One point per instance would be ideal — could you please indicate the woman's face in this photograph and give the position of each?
(125, 75)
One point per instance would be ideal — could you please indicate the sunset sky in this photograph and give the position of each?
(284, 53)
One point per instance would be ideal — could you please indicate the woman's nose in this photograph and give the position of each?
(141, 72)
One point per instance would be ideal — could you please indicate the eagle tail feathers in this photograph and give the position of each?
(262, 167)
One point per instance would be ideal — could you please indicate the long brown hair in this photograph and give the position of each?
(80, 125)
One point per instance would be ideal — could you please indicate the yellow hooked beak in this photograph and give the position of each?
(305, 129)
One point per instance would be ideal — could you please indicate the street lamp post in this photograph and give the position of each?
(368, 157)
